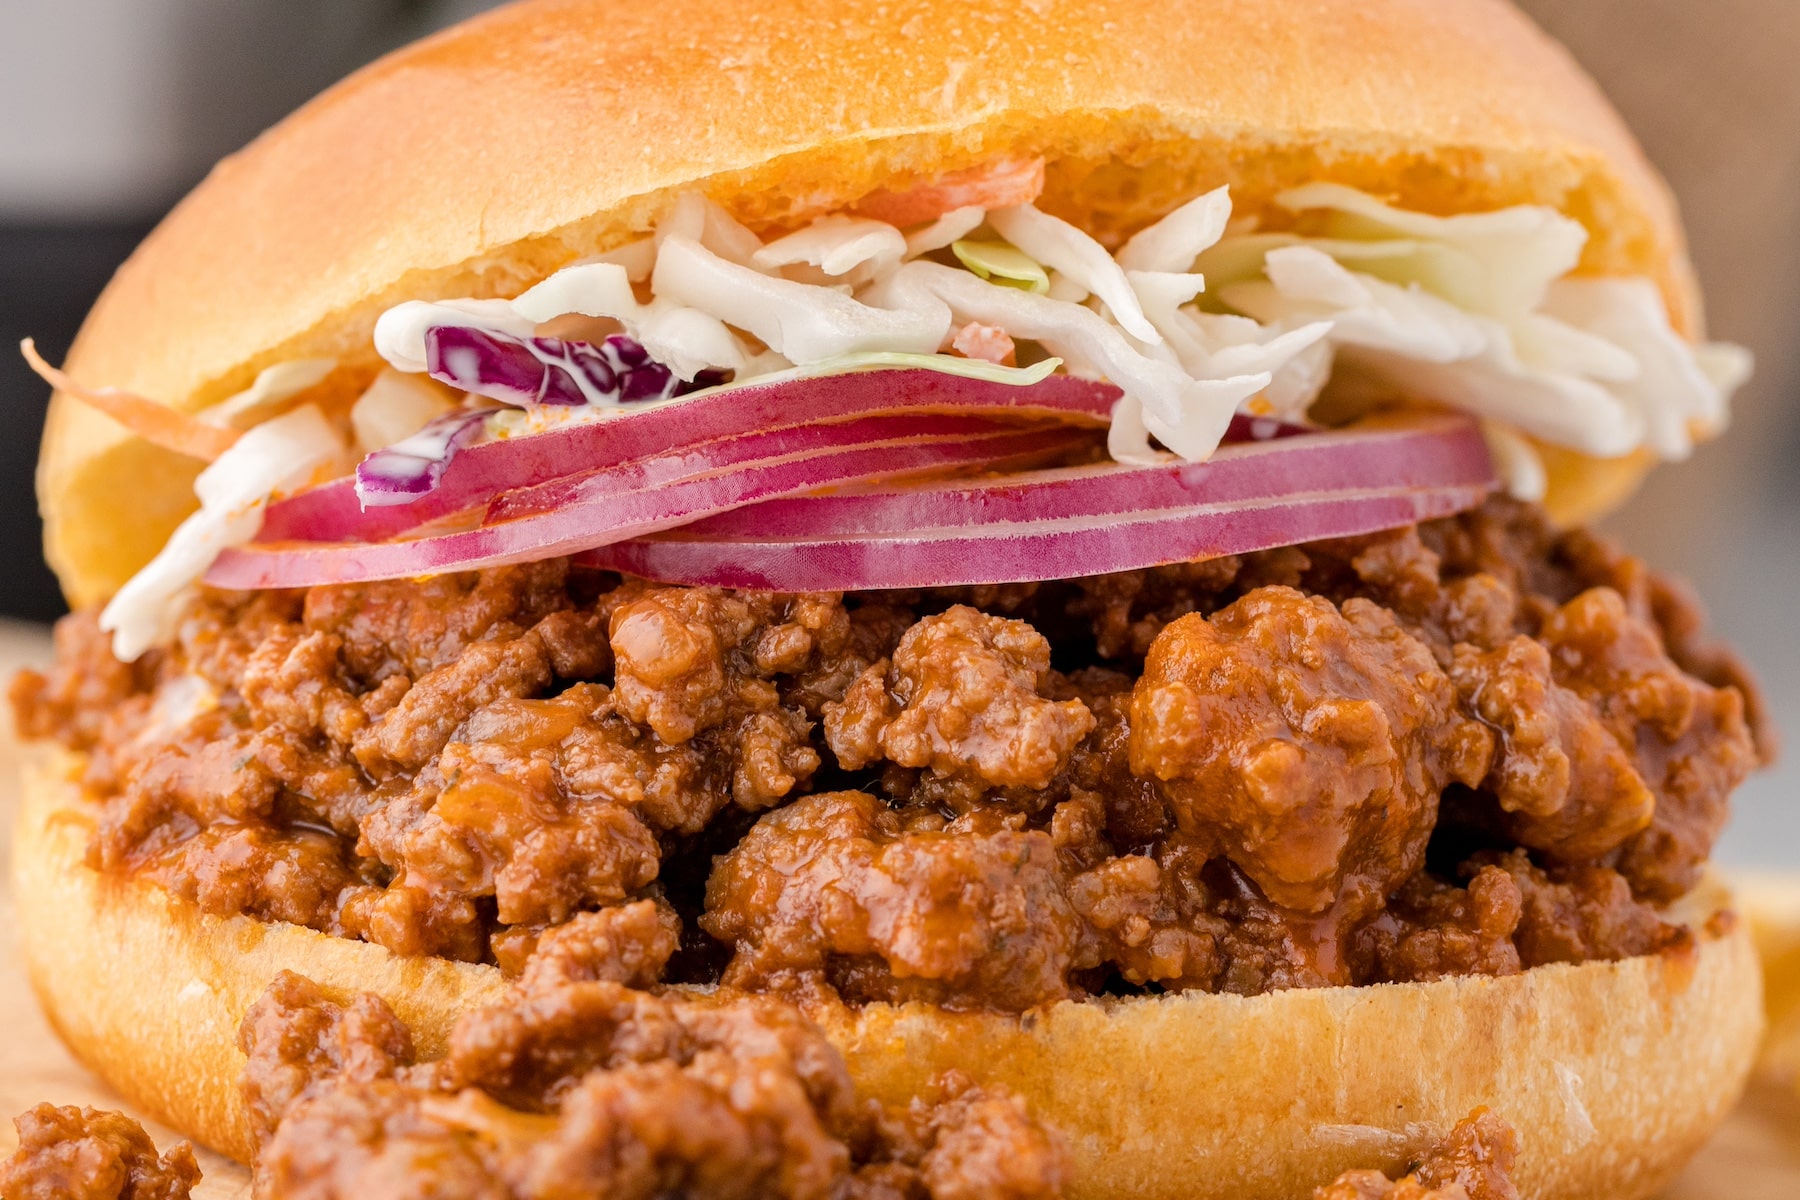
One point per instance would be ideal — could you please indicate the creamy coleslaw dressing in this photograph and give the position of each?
(282, 454)
(266, 395)
(1195, 318)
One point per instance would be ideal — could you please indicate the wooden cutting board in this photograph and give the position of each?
(1755, 1157)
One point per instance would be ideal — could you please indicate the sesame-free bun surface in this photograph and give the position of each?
(479, 161)
(148, 992)
(1612, 1073)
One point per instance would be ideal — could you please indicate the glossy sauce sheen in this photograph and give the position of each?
(579, 1085)
(1465, 747)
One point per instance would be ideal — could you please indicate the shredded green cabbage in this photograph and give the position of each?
(517, 423)
(892, 360)
(1000, 263)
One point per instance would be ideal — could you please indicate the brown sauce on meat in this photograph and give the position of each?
(1471, 746)
(1305, 743)
(577, 1085)
(87, 1154)
(1474, 1161)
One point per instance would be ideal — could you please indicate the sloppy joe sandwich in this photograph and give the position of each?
(1022, 560)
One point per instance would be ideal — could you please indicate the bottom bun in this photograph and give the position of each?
(1613, 1074)
(148, 991)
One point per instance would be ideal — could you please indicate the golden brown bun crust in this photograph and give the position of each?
(148, 992)
(1613, 1073)
(478, 161)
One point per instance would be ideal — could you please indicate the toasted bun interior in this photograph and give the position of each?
(481, 160)
(1612, 1073)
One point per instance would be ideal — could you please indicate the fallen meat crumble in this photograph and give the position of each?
(87, 1154)
(1474, 1162)
(578, 1085)
(1472, 746)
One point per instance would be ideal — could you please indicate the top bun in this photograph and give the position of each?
(481, 160)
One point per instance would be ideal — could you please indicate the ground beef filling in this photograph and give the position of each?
(577, 1085)
(87, 1154)
(1471, 746)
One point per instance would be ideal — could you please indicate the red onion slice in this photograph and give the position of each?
(760, 448)
(1424, 453)
(1078, 521)
(332, 513)
(1027, 551)
(657, 493)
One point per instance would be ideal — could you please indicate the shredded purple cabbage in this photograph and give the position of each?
(525, 372)
(522, 372)
(412, 467)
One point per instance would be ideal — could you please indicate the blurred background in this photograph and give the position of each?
(116, 107)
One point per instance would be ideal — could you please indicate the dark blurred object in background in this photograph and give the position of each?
(118, 106)
(115, 109)
(50, 273)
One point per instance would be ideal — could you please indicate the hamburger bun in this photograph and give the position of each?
(477, 162)
(1613, 1074)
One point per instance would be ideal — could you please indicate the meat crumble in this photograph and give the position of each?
(1473, 1162)
(576, 1085)
(89, 1154)
(1470, 746)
